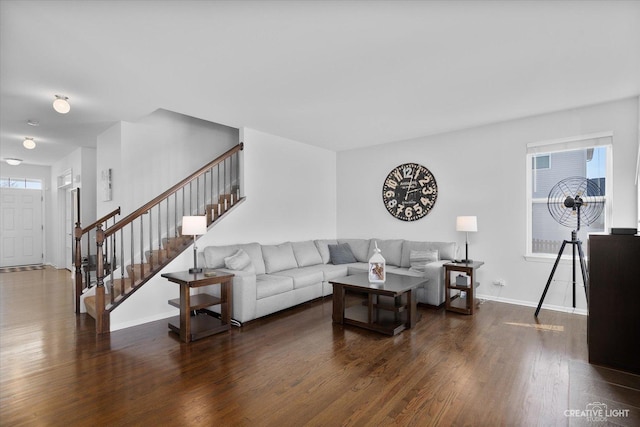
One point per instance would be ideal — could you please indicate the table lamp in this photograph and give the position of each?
(467, 224)
(194, 226)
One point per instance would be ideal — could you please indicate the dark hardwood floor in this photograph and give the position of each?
(497, 367)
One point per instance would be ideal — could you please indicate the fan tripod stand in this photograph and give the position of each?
(576, 243)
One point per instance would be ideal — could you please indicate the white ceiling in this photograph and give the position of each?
(334, 74)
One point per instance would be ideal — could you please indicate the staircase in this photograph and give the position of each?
(134, 249)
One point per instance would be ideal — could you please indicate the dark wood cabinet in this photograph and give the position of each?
(613, 325)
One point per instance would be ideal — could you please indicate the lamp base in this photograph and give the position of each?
(195, 270)
(466, 261)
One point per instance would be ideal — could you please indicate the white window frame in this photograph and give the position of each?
(601, 139)
(22, 180)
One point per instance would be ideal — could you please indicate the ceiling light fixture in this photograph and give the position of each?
(61, 104)
(29, 143)
(13, 162)
(33, 122)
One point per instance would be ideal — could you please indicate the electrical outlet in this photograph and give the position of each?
(499, 282)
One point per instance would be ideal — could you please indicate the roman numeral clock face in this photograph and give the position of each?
(409, 192)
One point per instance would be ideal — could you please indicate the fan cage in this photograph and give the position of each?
(572, 188)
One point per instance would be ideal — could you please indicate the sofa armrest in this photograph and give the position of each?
(243, 291)
(434, 271)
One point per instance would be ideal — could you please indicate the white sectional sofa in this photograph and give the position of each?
(270, 278)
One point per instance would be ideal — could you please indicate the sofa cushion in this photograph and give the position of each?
(268, 285)
(420, 259)
(238, 261)
(408, 272)
(278, 257)
(334, 271)
(359, 247)
(330, 271)
(391, 250)
(358, 267)
(306, 253)
(341, 254)
(255, 253)
(447, 250)
(214, 255)
(323, 248)
(303, 277)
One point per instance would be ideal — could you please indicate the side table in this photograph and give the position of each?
(201, 325)
(466, 304)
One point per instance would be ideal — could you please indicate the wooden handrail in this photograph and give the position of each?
(78, 233)
(144, 208)
(101, 220)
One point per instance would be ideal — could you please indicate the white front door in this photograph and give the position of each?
(21, 227)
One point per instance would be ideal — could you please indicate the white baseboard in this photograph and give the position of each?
(136, 322)
(535, 305)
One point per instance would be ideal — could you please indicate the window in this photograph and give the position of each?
(548, 163)
(24, 183)
(542, 162)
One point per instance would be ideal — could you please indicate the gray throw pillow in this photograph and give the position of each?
(341, 254)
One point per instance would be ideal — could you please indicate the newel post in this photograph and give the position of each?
(77, 235)
(102, 316)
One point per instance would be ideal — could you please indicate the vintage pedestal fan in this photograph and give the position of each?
(574, 201)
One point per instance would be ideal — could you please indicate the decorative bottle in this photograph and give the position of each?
(377, 266)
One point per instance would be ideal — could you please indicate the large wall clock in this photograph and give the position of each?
(409, 192)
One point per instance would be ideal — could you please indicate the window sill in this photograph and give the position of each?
(567, 258)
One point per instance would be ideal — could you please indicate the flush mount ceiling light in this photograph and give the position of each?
(13, 162)
(29, 143)
(31, 122)
(61, 105)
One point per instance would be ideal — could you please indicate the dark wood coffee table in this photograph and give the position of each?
(388, 307)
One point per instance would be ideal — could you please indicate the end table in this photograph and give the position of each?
(457, 303)
(201, 325)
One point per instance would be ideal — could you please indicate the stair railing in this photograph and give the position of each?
(86, 263)
(150, 237)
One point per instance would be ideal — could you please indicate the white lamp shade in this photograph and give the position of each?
(467, 223)
(194, 225)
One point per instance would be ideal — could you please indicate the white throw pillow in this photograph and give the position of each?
(420, 259)
(238, 261)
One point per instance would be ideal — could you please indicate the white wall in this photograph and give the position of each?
(290, 191)
(638, 167)
(108, 149)
(149, 156)
(82, 163)
(481, 171)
